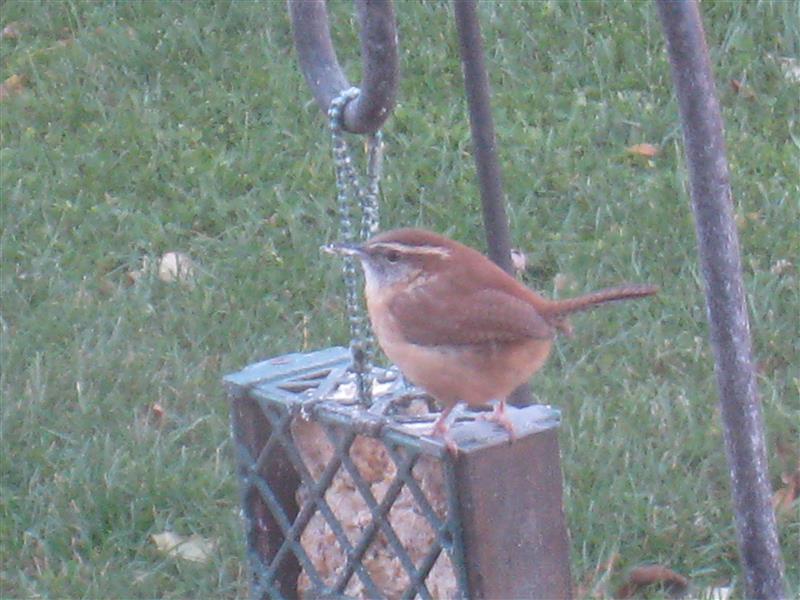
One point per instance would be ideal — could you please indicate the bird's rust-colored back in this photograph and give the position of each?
(463, 297)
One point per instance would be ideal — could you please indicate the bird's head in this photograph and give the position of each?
(398, 256)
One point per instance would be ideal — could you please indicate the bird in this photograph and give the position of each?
(457, 325)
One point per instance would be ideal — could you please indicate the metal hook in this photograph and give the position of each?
(325, 77)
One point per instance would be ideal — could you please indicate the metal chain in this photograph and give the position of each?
(370, 216)
(350, 192)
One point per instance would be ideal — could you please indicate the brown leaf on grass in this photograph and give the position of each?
(781, 267)
(748, 219)
(172, 267)
(12, 86)
(744, 91)
(791, 68)
(645, 575)
(784, 498)
(646, 150)
(12, 31)
(519, 260)
(157, 411)
(193, 548)
(175, 266)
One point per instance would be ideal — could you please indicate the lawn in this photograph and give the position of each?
(133, 129)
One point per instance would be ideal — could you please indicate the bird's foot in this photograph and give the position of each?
(441, 430)
(500, 416)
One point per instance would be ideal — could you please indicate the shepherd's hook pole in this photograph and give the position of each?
(718, 244)
(476, 84)
(484, 142)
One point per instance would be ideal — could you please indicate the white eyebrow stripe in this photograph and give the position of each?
(411, 249)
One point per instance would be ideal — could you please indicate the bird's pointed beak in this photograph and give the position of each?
(355, 250)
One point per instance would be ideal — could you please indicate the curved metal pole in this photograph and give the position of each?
(325, 77)
(718, 244)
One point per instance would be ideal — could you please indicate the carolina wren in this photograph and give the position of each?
(455, 323)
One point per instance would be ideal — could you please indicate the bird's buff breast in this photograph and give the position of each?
(474, 374)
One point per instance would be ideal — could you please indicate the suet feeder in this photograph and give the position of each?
(344, 500)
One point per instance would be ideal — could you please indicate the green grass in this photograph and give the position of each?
(176, 126)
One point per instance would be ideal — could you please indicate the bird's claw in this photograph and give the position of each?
(500, 416)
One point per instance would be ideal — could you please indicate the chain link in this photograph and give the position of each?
(349, 193)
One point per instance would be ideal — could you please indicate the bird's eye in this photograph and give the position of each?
(393, 256)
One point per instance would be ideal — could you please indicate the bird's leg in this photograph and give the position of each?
(500, 416)
(441, 429)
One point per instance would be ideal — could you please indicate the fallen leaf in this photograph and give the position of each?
(784, 498)
(175, 266)
(193, 548)
(11, 86)
(755, 216)
(746, 220)
(781, 267)
(157, 411)
(646, 150)
(744, 91)
(519, 260)
(12, 31)
(645, 575)
(791, 68)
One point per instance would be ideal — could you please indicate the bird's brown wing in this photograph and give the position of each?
(480, 316)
